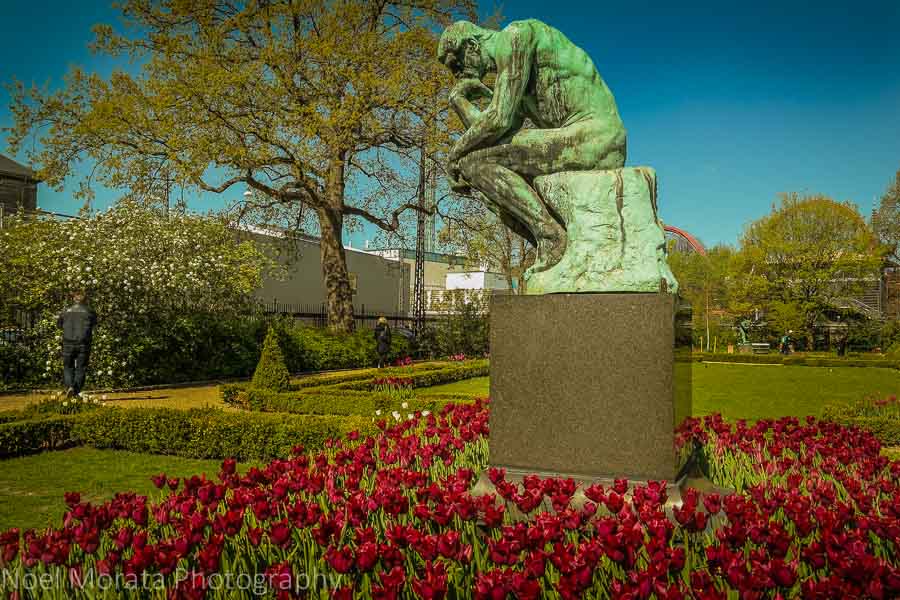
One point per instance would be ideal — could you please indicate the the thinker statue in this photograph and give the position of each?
(543, 77)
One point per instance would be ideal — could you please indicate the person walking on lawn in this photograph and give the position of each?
(383, 339)
(77, 323)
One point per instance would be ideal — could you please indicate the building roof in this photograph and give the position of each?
(10, 167)
(438, 257)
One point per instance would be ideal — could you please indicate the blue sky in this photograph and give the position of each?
(731, 103)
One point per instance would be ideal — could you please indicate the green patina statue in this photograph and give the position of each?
(591, 233)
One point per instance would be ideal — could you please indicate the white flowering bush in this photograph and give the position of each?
(168, 290)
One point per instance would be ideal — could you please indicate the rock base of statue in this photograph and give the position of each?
(615, 242)
(590, 386)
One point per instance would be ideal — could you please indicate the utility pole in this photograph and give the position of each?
(419, 286)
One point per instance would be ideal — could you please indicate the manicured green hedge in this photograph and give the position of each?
(329, 379)
(210, 433)
(422, 375)
(801, 361)
(7, 416)
(198, 433)
(343, 402)
(476, 368)
(886, 427)
(18, 438)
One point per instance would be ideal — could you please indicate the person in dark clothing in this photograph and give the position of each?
(786, 342)
(383, 339)
(77, 323)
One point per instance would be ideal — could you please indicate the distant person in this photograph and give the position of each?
(77, 323)
(786, 342)
(383, 340)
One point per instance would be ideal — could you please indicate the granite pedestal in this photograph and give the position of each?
(588, 386)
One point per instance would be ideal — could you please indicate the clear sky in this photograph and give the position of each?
(730, 102)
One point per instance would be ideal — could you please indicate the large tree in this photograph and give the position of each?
(296, 100)
(886, 218)
(809, 255)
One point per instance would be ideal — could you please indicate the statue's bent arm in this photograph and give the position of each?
(467, 112)
(514, 55)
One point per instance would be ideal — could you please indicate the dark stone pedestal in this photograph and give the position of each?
(588, 386)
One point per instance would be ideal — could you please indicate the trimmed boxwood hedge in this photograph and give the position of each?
(210, 433)
(198, 433)
(344, 402)
(329, 379)
(477, 368)
(422, 375)
(885, 427)
(18, 438)
(800, 361)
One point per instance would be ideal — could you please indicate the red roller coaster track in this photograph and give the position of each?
(694, 242)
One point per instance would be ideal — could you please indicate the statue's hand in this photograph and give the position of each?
(457, 184)
(460, 187)
(470, 89)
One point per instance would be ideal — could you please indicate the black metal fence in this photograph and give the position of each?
(316, 315)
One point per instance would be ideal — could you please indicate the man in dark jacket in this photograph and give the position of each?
(383, 341)
(77, 323)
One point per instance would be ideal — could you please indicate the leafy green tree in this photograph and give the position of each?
(703, 281)
(271, 372)
(810, 254)
(143, 270)
(886, 218)
(300, 101)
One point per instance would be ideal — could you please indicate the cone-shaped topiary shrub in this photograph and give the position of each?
(271, 372)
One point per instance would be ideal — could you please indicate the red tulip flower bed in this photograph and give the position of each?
(816, 515)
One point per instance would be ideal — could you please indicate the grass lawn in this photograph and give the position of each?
(32, 487)
(183, 398)
(477, 386)
(758, 391)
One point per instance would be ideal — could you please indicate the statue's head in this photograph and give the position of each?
(460, 50)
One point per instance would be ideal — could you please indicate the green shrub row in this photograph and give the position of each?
(801, 361)
(328, 379)
(198, 433)
(422, 375)
(476, 368)
(18, 438)
(343, 402)
(882, 422)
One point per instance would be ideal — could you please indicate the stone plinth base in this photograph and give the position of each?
(587, 385)
(614, 240)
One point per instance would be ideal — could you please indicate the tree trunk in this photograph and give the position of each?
(334, 260)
